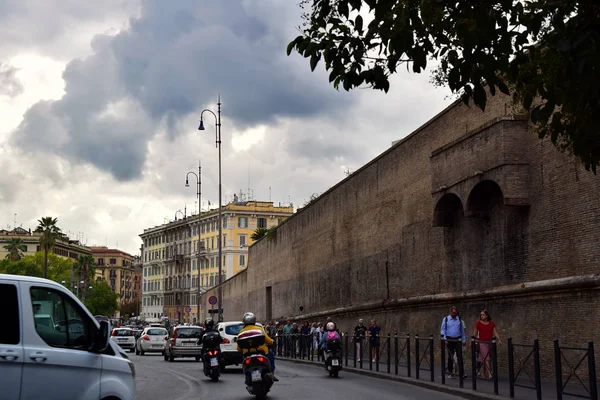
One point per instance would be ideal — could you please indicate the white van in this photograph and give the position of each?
(74, 359)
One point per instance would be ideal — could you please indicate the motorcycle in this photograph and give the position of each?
(333, 357)
(256, 366)
(211, 355)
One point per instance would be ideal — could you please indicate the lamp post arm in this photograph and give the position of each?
(217, 124)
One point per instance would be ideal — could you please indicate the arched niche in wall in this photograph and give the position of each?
(447, 210)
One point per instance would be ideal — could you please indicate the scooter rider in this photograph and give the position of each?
(249, 321)
(209, 326)
(331, 333)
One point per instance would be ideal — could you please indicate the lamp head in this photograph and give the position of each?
(201, 127)
(187, 182)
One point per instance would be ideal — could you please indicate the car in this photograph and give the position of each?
(124, 337)
(152, 340)
(229, 351)
(184, 343)
(41, 360)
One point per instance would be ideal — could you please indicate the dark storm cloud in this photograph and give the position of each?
(9, 83)
(175, 58)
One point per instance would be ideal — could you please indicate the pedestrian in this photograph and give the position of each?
(374, 333)
(453, 331)
(287, 340)
(359, 336)
(485, 331)
(317, 337)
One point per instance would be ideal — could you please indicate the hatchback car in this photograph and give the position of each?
(229, 351)
(124, 337)
(152, 340)
(184, 343)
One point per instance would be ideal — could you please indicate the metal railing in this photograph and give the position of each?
(575, 370)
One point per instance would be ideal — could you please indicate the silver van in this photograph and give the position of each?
(72, 358)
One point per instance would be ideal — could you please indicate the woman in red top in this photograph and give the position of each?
(484, 331)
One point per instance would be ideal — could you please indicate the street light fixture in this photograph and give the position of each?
(199, 195)
(219, 242)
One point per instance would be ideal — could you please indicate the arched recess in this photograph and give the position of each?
(483, 198)
(447, 210)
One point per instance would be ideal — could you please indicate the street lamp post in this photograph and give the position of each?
(220, 241)
(199, 194)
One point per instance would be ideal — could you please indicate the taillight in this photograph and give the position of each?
(247, 361)
(114, 333)
(261, 359)
(226, 341)
(131, 333)
(146, 337)
(174, 340)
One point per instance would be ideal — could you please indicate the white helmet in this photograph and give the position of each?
(330, 326)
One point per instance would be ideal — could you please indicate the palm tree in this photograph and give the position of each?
(259, 233)
(15, 248)
(87, 271)
(50, 232)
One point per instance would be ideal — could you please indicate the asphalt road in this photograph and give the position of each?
(183, 379)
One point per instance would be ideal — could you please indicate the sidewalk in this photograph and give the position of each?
(485, 388)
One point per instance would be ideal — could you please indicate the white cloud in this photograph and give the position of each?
(110, 126)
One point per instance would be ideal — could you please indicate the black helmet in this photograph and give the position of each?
(209, 323)
(249, 319)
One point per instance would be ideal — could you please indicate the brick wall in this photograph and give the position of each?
(526, 213)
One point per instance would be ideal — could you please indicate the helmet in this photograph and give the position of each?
(249, 319)
(209, 323)
(330, 326)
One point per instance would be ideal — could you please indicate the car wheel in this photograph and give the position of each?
(137, 351)
(131, 350)
(142, 352)
(171, 358)
(165, 356)
(197, 358)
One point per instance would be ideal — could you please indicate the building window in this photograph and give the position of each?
(101, 261)
(242, 260)
(225, 222)
(113, 261)
(242, 222)
(262, 222)
(242, 240)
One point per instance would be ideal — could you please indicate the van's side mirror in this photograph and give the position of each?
(100, 338)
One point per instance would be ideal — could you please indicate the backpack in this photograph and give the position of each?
(462, 323)
(332, 335)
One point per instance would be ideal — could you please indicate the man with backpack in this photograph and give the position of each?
(453, 329)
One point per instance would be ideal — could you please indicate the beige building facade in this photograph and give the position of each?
(64, 247)
(116, 268)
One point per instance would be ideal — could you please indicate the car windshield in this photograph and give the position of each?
(185, 333)
(156, 331)
(233, 330)
(123, 332)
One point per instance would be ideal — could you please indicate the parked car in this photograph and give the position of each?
(124, 337)
(39, 361)
(184, 343)
(229, 351)
(152, 340)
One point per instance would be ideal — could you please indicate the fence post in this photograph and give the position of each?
(408, 354)
(511, 369)
(346, 349)
(312, 348)
(389, 353)
(370, 354)
(536, 361)
(417, 356)
(461, 364)
(362, 350)
(354, 344)
(592, 371)
(474, 362)
(377, 347)
(396, 353)
(495, 364)
(443, 360)
(431, 358)
(558, 370)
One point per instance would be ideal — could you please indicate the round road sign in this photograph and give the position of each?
(188, 309)
(212, 300)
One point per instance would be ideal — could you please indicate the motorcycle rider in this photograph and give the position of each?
(331, 332)
(209, 326)
(249, 321)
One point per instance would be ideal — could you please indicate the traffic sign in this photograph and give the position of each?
(212, 300)
(213, 311)
(188, 309)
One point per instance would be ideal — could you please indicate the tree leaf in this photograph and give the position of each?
(358, 23)
(314, 60)
(291, 46)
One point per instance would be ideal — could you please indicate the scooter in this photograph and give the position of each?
(211, 355)
(256, 366)
(333, 357)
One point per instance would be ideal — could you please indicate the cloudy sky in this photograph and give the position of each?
(100, 102)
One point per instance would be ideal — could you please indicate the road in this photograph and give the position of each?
(183, 379)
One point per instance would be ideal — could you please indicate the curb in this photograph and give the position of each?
(438, 387)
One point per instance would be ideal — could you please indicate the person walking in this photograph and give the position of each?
(374, 332)
(485, 331)
(453, 332)
(359, 336)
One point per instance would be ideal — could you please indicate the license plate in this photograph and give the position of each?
(214, 361)
(335, 362)
(189, 343)
(256, 377)
(122, 340)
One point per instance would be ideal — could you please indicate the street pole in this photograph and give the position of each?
(199, 241)
(220, 222)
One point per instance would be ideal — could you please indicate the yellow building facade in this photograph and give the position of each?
(64, 247)
(116, 268)
(188, 254)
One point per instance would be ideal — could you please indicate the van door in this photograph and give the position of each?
(11, 346)
(57, 364)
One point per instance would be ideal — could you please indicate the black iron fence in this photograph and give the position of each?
(575, 369)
